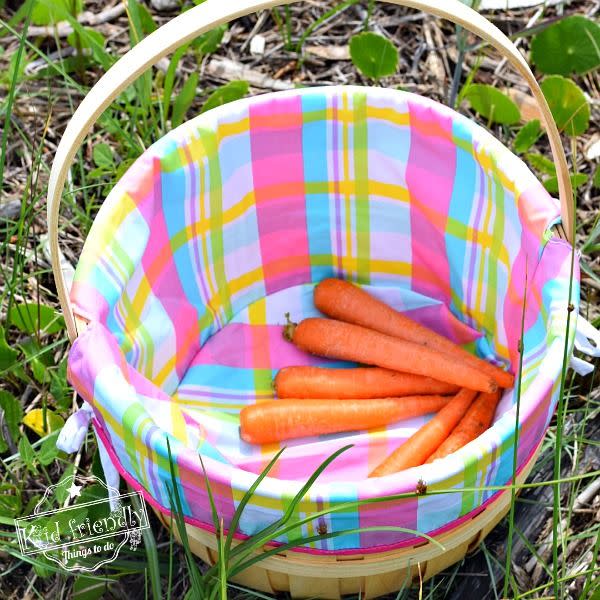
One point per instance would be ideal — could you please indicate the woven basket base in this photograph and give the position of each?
(330, 577)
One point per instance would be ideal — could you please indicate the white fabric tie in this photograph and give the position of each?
(587, 341)
(71, 438)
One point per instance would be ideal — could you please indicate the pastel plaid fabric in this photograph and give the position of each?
(227, 223)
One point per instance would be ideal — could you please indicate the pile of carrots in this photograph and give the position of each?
(415, 372)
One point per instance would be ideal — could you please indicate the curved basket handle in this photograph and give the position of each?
(212, 13)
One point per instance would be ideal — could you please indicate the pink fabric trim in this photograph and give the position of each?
(240, 536)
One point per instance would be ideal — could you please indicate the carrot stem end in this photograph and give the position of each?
(289, 328)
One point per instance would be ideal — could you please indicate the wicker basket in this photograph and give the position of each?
(323, 575)
(370, 575)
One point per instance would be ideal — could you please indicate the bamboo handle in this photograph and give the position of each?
(212, 13)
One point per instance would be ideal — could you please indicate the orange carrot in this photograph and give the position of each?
(278, 420)
(476, 420)
(347, 302)
(336, 339)
(426, 440)
(370, 382)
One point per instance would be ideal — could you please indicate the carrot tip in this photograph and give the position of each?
(289, 328)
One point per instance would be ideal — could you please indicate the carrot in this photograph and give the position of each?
(278, 420)
(344, 301)
(336, 339)
(426, 440)
(476, 420)
(370, 382)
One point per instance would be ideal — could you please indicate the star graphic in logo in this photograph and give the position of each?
(74, 490)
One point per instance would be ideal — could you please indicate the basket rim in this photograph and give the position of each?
(208, 527)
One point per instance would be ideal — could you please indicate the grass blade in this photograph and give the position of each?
(267, 533)
(11, 94)
(170, 78)
(560, 410)
(177, 510)
(296, 543)
(246, 498)
(151, 554)
(170, 576)
(218, 525)
(513, 490)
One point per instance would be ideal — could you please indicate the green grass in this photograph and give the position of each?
(32, 373)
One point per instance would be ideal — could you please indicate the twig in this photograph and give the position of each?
(587, 495)
(38, 64)
(264, 15)
(434, 62)
(64, 28)
(226, 68)
(329, 52)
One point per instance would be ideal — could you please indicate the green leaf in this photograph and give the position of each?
(122, 167)
(527, 136)
(146, 21)
(95, 493)
(569, 107)
(40, 371)
(373, 55)
(541, 164)
(59, 387)
(39, 359)
(89, 39)
(142, 87)
(41, 423)
(230, 92)
(593, 237)
(577, 180)
(40, 568)
(184, 99)
(136, 31)
(570, 46)
(10, 501)
(48, 12)
(492, 104)
(18, 64)
(170, 76)
(103, 156)
(97, 466)
(31, 504)
(31, 317)
(210, 41)
(88, 588)
(27, 453)
(48, 450)
(61, 492)
(13, 413)
(596, 178)
(8, 356)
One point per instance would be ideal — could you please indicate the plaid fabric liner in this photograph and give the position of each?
(227, 223)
